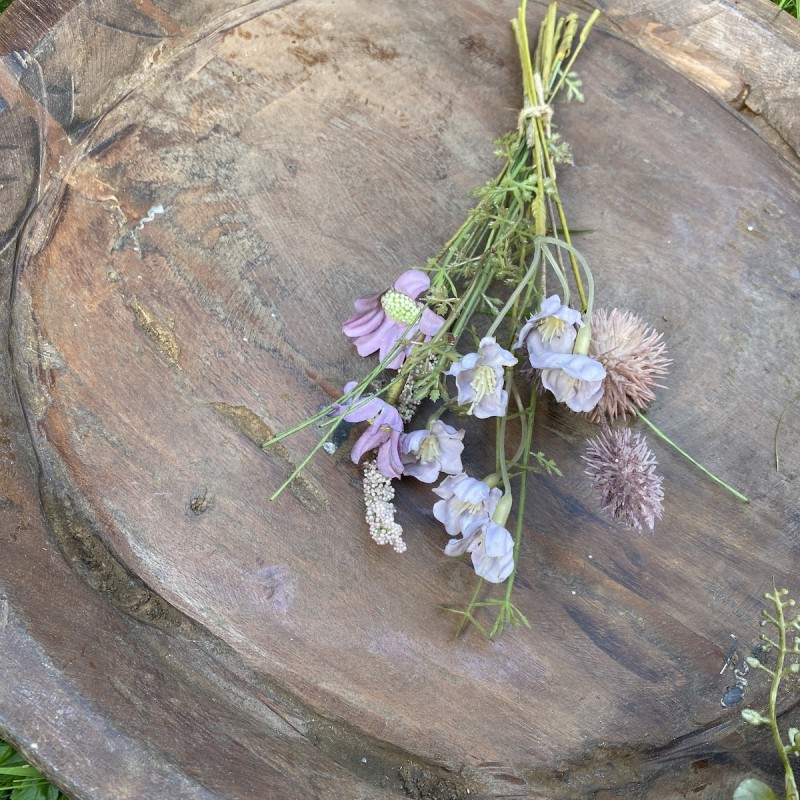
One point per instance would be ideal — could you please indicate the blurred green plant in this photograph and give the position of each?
(20, 781)
(791, 6)
(786, 645)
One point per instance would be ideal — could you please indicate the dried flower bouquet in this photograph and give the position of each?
(476, 332)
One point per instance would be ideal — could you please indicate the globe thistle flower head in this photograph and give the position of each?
(622, 469)
(634, 357)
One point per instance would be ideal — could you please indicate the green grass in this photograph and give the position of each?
(20, 781)
(790, 6)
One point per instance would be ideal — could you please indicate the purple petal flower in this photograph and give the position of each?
(383, 433)
(479, 379)
(426, 453)
(574, 379)
(384, 318)
(464, 499)
(491, 547)
(552, 329)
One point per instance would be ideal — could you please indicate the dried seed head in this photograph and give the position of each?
(634, 357)
(378, 496)
(622, 469)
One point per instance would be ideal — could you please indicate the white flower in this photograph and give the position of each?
(479, 379)
(464, 500)
(551, 330)
(554, 347)
(574, 379)
(427, 452)
(491, 547)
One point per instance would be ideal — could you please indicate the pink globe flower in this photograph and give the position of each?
(382, 435)
(479, 379)
(383, 319)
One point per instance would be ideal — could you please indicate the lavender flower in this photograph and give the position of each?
(383, 433)
(426, 453)
(574, 379)
(634, 357)
(551, 338)
(386, 317)
(479, 379)
(491, 547)
(551, 329)
(378, 496)
(622, 469)
(464, 500)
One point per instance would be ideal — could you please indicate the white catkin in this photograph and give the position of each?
(378, 496)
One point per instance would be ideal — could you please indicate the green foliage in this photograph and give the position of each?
(20, 781)
(546, 465)
(4, 4)
(791, 6)
(785, 643)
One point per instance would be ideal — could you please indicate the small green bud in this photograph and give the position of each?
(794, 667)
(493, 480)
(582, 340)
(752, 717)
(752, 662)
(792, 734)
(503, 509)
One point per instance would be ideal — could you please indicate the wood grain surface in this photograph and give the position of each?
(192, 197)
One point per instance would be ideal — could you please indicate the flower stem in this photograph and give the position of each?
(699, 466)
(522, 493)
(789, 782)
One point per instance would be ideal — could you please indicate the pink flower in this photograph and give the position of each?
(383, 319)
(383, 433)
(427, 452)
(479, 379)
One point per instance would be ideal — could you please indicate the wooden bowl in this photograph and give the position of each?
(192, 196)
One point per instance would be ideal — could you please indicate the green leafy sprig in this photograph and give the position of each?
(786, 644)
